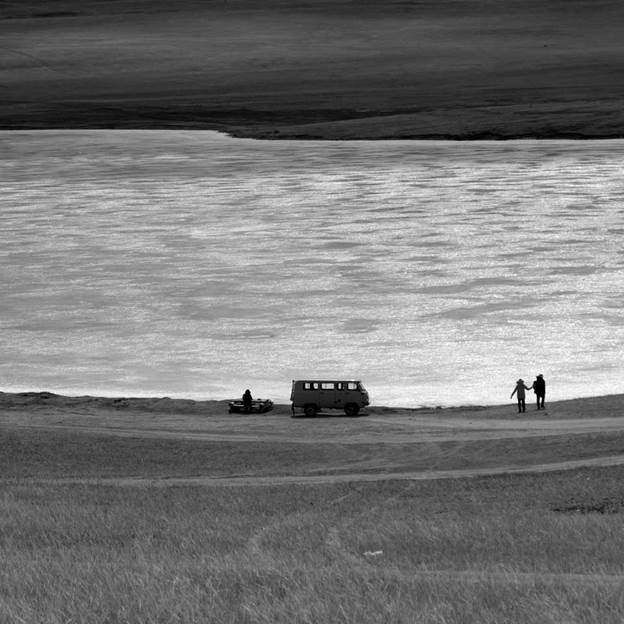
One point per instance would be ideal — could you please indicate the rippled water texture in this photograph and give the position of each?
(191, 264)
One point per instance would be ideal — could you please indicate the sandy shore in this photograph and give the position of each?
(273, 448)
(323, 69)
(609, 406)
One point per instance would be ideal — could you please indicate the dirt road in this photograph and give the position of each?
(272, 481)
(275, 449)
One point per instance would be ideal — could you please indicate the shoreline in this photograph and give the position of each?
(303, 138)
(261, 136)
(303, 131)
(43, 399)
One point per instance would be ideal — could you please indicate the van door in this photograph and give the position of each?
(342, 394)
(327, 394)
(352, 393)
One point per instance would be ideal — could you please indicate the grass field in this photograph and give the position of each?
(487, 550)
(317, 68)
(81, 542)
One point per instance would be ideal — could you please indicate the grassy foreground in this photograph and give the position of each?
(533, 548)
(332, 69)
(507, 549)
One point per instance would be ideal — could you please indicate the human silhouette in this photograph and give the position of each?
(519, 390)
(247, 399)
(539, 387)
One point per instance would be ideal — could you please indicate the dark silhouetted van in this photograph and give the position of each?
(312, 396)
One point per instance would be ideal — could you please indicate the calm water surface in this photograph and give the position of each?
(191, 264)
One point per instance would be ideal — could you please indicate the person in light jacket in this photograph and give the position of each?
(519, 391)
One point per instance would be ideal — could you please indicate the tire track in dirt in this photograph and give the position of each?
(329, 479)
(415, 431)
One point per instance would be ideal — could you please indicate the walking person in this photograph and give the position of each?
(519, 391)
(539, 387)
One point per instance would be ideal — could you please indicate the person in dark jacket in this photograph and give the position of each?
(519, 390)
(247, 399)
(539, 387)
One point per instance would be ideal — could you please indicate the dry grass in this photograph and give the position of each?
(491, 550)
(526, 549)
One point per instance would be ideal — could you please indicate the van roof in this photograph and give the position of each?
(308, 380)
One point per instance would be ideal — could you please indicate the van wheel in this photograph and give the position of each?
(309, 410)
(351, 409)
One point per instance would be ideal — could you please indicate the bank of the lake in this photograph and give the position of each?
(317, 70)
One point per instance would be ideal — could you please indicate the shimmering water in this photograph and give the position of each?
(191, 264)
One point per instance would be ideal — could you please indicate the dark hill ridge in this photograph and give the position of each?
(332, 69)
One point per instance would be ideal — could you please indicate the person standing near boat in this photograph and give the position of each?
(247, 399)
(519, 390)
(539, 387)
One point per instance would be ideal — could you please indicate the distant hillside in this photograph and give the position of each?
(317, 68)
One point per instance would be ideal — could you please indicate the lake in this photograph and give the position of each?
(191, 264)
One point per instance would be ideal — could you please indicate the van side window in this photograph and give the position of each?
(328, 385)
(351, 386)
(310, 385)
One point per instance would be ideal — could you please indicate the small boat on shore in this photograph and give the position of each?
(258, 406)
